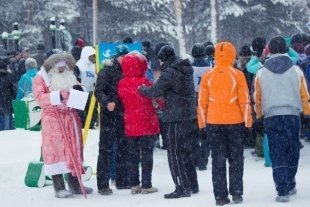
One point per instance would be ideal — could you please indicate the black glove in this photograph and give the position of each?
(202, 134)
(142, 88)
(78, 88)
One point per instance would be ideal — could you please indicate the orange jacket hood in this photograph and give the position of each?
(225, 54)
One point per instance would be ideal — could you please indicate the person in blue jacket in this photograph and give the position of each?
(25, 81)
(261, 53)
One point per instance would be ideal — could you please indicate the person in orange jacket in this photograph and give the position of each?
(224, 110)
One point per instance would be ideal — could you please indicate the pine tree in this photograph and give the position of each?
(238, 21)
(140, 19)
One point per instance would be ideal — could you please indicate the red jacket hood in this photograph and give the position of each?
(134, 64)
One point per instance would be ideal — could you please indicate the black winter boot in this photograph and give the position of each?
(178, 194)
(74, 185)
(59, 186)
(222, 201)
(237, 198)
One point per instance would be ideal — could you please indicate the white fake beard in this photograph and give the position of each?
(61, 81)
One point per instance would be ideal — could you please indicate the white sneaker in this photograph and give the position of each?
(292, 192)
(63, 194)
(283, 199)
(136, 189)
(149, 190)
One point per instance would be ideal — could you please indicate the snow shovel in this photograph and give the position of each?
(35, 176)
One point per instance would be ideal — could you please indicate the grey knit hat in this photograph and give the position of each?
(31, 63)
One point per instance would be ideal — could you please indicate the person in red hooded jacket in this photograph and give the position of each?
(141, 122)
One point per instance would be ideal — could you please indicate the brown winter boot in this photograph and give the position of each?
(136, 189)
(74, 185)
(149, 190)
(59, 186)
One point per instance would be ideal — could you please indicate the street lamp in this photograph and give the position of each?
(62, 24)
(53, 31)
(61, 38)
(11, 40)
(16, 33)
(5, 36)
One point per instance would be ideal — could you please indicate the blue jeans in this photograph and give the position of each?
(284, 147)
(6, 121)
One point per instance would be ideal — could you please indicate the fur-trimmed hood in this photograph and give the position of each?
(52, 60)
(107, 62)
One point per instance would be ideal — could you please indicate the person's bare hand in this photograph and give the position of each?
(111, 106)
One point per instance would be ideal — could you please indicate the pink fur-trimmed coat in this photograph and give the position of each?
(55, 151)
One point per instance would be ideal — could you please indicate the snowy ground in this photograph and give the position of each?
(19, 147)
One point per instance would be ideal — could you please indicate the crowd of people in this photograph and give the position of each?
(213, 101)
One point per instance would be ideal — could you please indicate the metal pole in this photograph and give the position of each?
(95, 22)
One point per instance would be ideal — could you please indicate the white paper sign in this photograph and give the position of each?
(77, 99)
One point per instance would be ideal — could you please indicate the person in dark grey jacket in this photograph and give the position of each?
(111, 125)
(7, 95)
(280, 96)
(176, 85)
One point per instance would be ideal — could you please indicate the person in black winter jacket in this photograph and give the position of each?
(200, 66)
(40, 55)
(176, 85)
(7, 95)
(149, 53)
(111, 125)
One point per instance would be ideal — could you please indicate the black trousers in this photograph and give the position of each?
(163, 132)
(180, 141)
(114, 133)
(140, 146)
(227, 143)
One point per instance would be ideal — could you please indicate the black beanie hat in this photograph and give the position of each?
(210, 50)
(258, 45)
(76, 52)
(165, 53)
(299, 38)
(147, 44)
(198, 50)
(3, 63)
(159, 46)
(307, 50)
(127, 40)
(40, 46)
(207, 43)
(52, 52)
(245, 51)
(299, 41)
(278, 45)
